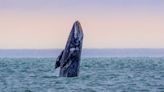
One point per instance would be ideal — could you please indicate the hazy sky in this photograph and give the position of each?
(106, 23)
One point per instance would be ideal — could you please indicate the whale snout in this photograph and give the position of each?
(78, 33)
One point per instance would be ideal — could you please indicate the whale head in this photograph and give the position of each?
(77, 33)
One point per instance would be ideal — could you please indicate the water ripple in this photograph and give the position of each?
(126, 74)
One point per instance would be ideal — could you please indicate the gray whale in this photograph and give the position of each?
(69, 59)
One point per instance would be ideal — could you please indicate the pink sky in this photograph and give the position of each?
(116, 25)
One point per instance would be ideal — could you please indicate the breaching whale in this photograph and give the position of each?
(69, 59)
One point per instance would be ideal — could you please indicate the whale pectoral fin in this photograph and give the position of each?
(57, 64)
(58, 60)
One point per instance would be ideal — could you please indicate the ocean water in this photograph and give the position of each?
(138, 52)
(97, 74)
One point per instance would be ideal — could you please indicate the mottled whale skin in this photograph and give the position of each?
(69, 59)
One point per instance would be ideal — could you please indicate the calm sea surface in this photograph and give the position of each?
(85, 53)
(114, 70)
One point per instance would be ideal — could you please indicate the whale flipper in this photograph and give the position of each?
(58, 60)
(69, 59)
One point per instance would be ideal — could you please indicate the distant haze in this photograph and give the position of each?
(53, 53)
(45, 24)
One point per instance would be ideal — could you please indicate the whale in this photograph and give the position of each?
(69, 59)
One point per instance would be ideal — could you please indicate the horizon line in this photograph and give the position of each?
(63, 48)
